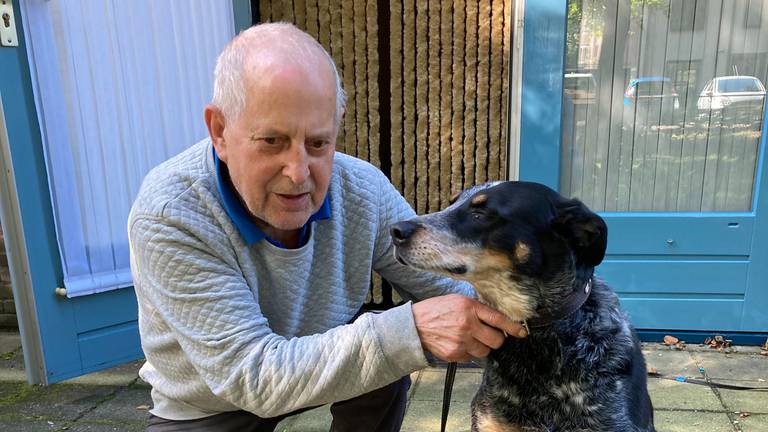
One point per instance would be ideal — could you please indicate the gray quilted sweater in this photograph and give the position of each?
(227, 326)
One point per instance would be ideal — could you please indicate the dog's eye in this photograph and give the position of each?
(478, 214)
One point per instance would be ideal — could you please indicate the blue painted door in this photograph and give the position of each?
(653, 113)
(75, 335)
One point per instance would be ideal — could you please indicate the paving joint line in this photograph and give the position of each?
(735, 423)
(414, 387)
(111, 395)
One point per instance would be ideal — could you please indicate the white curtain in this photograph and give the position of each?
(120, 86)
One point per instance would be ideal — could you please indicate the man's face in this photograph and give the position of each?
(280, 150)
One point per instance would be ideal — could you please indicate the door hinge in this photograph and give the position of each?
(8, 35)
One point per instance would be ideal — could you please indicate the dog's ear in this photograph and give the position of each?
(584, 230)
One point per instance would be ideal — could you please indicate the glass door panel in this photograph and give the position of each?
(663, 104)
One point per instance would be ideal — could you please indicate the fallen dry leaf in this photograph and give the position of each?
(143, 407)
(743, 414)
(673, 341)
(718, 342)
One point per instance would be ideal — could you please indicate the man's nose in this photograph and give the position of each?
(402, 232)
(296, 165)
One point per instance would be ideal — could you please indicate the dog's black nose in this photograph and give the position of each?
(402, 232)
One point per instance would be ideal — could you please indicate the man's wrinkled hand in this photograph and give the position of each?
(457, 328)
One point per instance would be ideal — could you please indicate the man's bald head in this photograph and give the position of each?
(261, 48)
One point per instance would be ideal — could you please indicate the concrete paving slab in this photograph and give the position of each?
(668, 394)
(55, 402)
(108, 427)
(9, 341)
(734, 367)
(12, 375)
(425, 416)
(11, 357)
(753, 402)
(754, 423)
(692, 421)
(129, 404)
(122, 375)
(667, 362)
(29, 426)
(429, 387)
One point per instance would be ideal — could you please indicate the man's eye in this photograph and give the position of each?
(318, 144)
(270, 140)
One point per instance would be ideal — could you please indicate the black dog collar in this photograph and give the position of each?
(571, 304)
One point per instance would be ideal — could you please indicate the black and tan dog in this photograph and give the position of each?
(531, 253)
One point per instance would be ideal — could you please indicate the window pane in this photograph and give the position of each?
(663, 104)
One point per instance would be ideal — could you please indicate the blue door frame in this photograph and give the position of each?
(540, 146)
(74, 335)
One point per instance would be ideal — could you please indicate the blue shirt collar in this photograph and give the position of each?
(242, 218)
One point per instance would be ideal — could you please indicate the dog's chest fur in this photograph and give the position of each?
(569, 377)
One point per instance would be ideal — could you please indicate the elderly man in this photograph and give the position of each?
(252, 253)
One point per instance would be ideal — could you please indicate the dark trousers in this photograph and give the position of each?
(381, 410)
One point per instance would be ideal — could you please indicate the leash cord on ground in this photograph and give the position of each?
(707, 383)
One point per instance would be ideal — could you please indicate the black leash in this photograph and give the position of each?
(450, 375)
(704, 382)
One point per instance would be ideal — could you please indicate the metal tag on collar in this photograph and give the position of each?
(588, 286)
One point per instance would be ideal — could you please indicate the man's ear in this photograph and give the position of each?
(586, 232)
(215, 121)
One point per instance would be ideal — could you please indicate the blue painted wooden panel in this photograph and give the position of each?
(658, 277)
(691, 234)
(94, 312)
(713, 315)
(99, 348)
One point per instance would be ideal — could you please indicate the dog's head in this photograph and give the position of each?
(521, 244)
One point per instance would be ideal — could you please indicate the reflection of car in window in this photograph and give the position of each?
(650, 101)
(731, 91)
(648, 89)
(580, 87)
